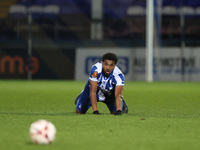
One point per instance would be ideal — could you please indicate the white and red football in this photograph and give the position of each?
(42, 132)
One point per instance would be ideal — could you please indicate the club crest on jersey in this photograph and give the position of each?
(95, 74)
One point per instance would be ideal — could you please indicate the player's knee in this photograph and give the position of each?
(79, 112)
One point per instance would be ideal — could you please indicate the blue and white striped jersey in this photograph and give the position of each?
(106, 85)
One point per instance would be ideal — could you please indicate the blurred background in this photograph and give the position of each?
(61, 39)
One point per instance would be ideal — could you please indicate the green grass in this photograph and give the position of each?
(162, 116)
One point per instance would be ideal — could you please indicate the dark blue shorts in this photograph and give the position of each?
(84, 103)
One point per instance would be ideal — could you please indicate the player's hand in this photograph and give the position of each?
(118, 112)
(96, 112)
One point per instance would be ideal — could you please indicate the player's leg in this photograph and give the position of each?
(83, 103)
(78, 97)
(124, 106)
(112, 107)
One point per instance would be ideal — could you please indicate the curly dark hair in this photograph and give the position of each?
(110, 56)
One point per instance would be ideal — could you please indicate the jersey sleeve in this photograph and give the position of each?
(120, 80)
(94, 73)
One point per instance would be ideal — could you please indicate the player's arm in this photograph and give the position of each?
(93, 98)
(118, 93)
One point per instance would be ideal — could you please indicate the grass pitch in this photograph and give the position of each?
(162, 116)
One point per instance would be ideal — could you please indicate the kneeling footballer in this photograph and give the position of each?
(105, 84)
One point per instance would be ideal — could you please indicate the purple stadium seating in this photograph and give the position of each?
(25, 2)
(192, 3)
(67, 10)
(62, 2)
(115, 12)
(118, 3)
(51, 11)
(177, 3)
(70, 10)
(76, 14)
(36, 11)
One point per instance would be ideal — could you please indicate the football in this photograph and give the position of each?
(42, 132)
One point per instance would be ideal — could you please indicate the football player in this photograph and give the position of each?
(105, 84)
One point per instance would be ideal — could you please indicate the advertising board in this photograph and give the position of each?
(170, 64)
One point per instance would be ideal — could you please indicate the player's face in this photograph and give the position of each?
(108, 66)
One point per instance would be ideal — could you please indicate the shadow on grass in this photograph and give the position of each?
(53, 114)
(37, 114)
(29, 143)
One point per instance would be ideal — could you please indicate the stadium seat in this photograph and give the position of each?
(49, 2)
(50, 23)
(62, 2)
(169, 11)
(136, 21)
(136, 11)
(51, 11)
(25, 2)
(114, 12)
(67, 10)
(191, 25)
(74, 22)
(37, 19)
(195, 24)
(118, 3)
(18, 11)
(197, 11)
(18, 19)
(187, 11)
(42, 2)
(175, 3)
(192, 3)
(75, 10)
(170, 22)
(36, 11)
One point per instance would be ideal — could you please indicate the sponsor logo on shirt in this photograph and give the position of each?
(95, 74)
